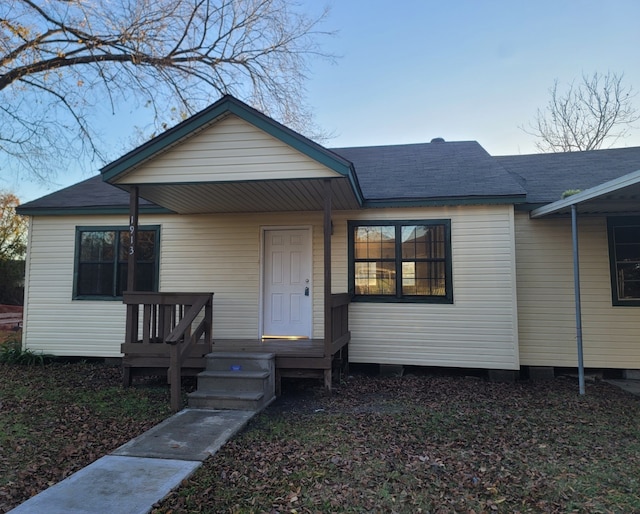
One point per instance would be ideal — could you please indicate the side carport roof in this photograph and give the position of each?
(547, 176)
(618, 196)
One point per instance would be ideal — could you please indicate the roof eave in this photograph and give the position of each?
(73, 211)
(443, 201)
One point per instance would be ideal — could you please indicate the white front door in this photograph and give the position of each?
(287, 294)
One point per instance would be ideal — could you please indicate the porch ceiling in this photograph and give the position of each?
(616, 197)
(253, 196)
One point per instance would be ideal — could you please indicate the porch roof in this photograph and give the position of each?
(286, 193)
(252, 196)
(618, 196)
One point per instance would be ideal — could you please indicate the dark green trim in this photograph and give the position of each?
(399, 298)
(225, 182)
(528, 207)
(111, 228)
(612, 223)
(442, 202)
(72, 211)
(226, 105)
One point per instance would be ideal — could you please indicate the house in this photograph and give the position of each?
(438, 253)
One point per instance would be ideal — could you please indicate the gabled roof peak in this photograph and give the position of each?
(207, 117)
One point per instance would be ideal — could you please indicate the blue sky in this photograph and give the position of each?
(413, 70)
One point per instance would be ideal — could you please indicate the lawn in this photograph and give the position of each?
(429, 444)
(56, 419)
(417, 443)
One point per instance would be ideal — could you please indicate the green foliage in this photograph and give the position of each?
(11, 352)
(570, 192)
(13, 228)
(13, 245)
(11, 282)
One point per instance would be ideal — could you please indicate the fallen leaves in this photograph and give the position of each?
(59, 418)
(427, 444)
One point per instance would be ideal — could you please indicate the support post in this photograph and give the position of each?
(328, 328)
(131, 327)
(133, 237)
(576, 292)
(175, 378)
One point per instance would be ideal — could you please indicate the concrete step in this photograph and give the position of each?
(214, 380)
(237, 400)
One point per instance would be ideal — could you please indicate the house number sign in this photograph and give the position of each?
(132, 236)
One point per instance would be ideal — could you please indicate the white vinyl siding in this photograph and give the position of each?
(53, 322)
(222, 254)
(479, 330)
(229, 150)
(546, 305)
(203, 253)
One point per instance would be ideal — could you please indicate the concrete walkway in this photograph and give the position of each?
(631, 386)
(144, 470)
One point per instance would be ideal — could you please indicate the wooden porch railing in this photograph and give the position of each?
(340, 334)
(182, 340)
(336, 347)
(166, 318)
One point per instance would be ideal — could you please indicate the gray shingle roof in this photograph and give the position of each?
(461, 169)
(424, 171)
(547, 176)
(90, 193)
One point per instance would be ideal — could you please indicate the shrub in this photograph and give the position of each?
(11, 352)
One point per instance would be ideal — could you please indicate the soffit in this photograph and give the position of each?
(255, 196)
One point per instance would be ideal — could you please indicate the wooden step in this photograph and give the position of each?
(236, 380)
(239, 361)
(233, 380)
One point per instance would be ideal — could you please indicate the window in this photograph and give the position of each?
(101, 261)
(624, 256)
(405, 261)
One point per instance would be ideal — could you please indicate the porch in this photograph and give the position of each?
(171, 333)
(230, 162)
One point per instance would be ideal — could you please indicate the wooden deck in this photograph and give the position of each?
(171, 318)
(299, 358)
(284, 349)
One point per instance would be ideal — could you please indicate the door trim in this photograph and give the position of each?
(263, 230)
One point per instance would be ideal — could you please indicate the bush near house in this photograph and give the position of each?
(11, 282)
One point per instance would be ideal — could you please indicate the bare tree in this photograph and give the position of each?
(63, 61)
(597, 110)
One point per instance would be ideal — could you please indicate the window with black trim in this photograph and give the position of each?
(624, 257)
(101, 261)
(404, 261)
